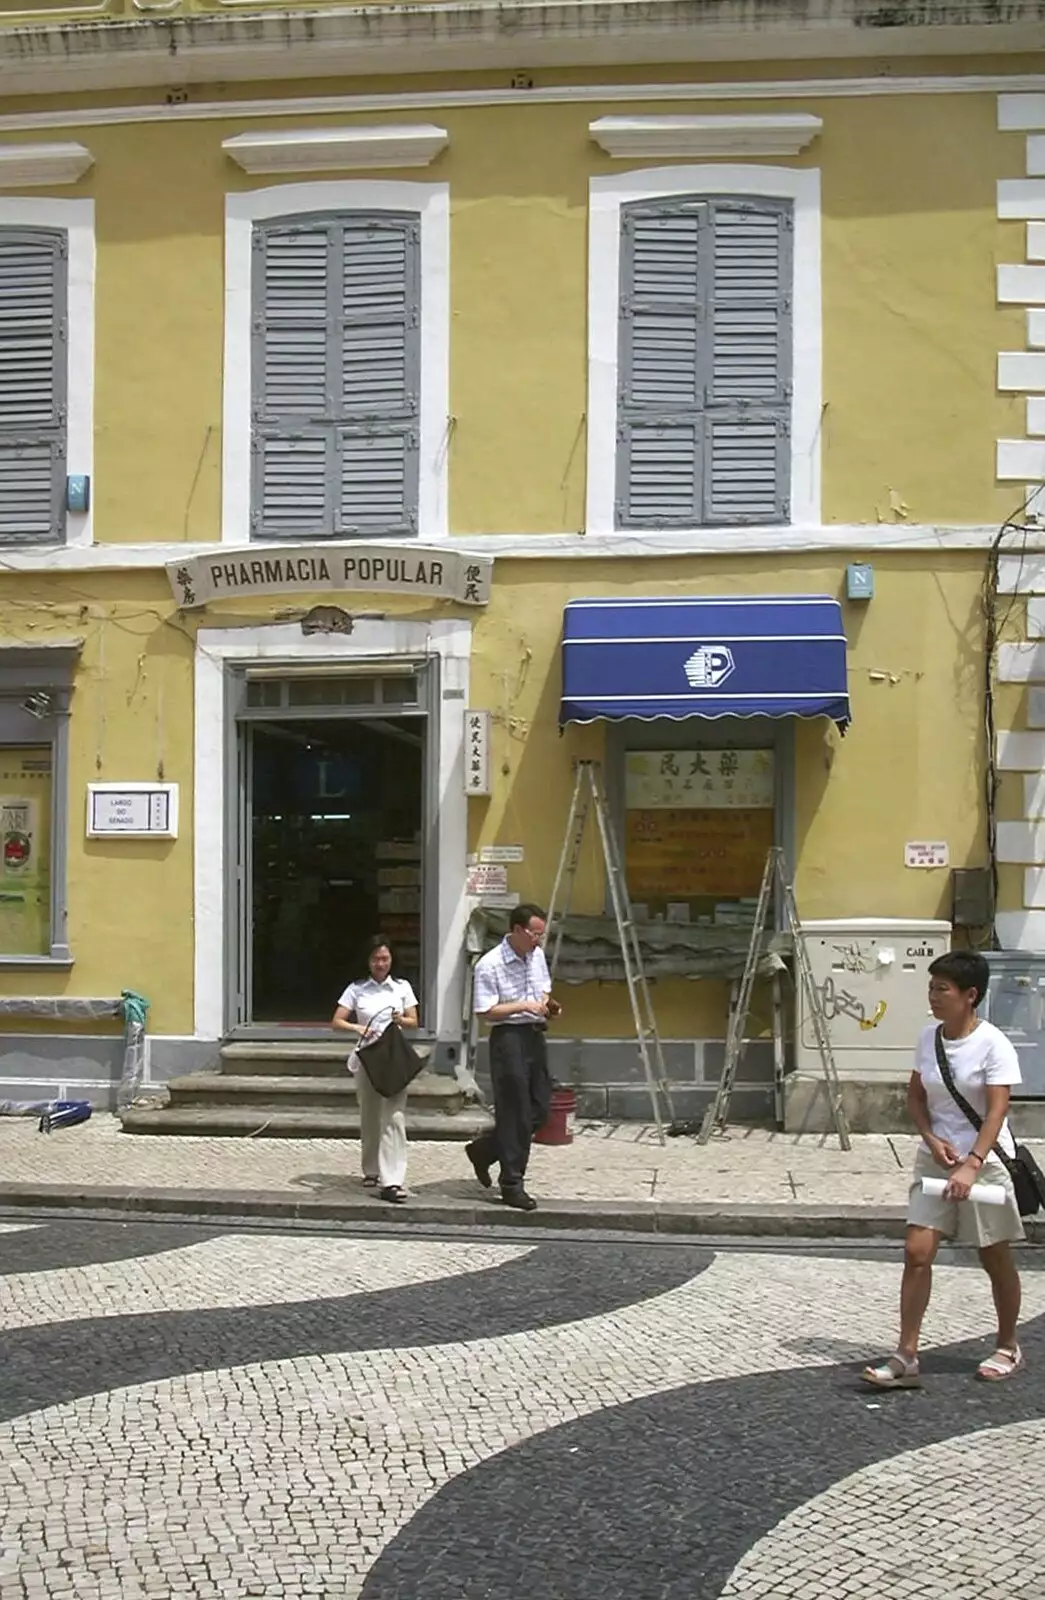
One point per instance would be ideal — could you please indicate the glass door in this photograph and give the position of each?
(331, 838)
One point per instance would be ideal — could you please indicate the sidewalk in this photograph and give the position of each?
(613, 1176)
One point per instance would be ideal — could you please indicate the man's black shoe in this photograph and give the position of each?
(518, 1199)
(481, 1168)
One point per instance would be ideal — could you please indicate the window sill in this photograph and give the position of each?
(58, 963)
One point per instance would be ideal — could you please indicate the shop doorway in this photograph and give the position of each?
(331, 838)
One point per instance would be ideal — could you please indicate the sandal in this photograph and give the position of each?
(371, 1183)
(1004, 1363)
(394, 1195)
(895, 1372)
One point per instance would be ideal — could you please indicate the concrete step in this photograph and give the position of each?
(301, 1092)
(244, 1121)
(315, 1058)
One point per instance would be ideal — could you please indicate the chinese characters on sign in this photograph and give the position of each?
(926, 853)
(698, 826)
(714, 854)
(477, 752)
(708, 780)
(486, 880)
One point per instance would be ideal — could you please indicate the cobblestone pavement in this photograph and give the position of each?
(194, 1414)
(620, 1162)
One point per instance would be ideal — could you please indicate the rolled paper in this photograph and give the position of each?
(984, 1194)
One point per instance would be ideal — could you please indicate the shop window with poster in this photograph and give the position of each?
(35, 685)
(26, 774)
(698, 824)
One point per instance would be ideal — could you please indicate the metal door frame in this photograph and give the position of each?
(239, 719)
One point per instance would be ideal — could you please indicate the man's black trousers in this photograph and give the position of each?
(522, 1092)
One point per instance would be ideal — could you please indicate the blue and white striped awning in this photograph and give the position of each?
(751, 656)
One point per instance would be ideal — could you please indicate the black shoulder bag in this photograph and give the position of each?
(1028, 1180)
(390, 1062)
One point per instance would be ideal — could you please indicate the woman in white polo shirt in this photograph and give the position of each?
(365, 1009)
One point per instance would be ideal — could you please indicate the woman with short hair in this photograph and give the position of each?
(983, 1067)
(366, 1008)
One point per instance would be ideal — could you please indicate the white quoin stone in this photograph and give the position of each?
(1021, 844)
(1021, 930)
(1020, 752)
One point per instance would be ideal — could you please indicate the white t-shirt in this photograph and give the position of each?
(373, 1003)
(983, 1057)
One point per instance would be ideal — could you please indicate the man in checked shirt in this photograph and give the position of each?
(513, 994)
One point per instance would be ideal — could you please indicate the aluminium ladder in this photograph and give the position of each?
(774, 878)
(588, 795)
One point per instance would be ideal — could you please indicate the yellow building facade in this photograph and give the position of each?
(321, 397)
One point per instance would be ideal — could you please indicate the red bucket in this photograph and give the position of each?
(559, 1127)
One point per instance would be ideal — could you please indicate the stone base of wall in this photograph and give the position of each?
(608, 1077)
(870, 1105)
(61, 1067)
(877, 1106)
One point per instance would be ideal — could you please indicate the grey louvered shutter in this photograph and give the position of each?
(381, 375)
(336, 363)
(704, 363)
(659, 423)
(33, 385)
(747, 442)
(294, 378)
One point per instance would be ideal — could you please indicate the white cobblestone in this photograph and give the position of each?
(236, 1270)
(961, 1519)
(304, 1469)
(606, 1162)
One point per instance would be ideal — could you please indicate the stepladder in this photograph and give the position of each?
(589, 797)
(776, 891)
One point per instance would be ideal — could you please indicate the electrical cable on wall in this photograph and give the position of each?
(994, 627)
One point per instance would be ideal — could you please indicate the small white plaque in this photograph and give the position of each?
(502, 852)
(926, 853)
(487, 880)
(132, 810)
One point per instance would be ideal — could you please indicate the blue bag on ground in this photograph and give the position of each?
(64, 1114)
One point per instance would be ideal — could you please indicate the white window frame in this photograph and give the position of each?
(431, 201)
(800, 185)
(74, 218)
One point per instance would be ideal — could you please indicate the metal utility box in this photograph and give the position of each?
(1015, 1003)
(873, 976)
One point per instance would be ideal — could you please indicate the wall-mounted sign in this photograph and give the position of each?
(487, 880)
(342, 568)
(132, 810)
(477, 752)
(711, 780)
(502, 852)
(720, 852)
(926, 853)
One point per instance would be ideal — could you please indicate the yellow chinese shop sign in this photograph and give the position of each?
(698, 822)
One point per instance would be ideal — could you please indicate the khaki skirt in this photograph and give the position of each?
(964, 1221)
